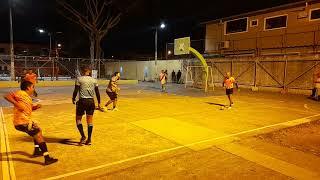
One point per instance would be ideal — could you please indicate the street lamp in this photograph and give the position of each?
(42, 31)
(162, 26)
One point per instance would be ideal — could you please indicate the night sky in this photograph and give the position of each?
(134, 34)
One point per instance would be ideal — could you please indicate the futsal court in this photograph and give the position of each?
(181, 134)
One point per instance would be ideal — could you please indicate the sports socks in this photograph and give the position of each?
(90, 127)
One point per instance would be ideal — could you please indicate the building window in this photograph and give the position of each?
(236, 26)
(276, 22)
(254, 23)
(5, 68)
(314, 14)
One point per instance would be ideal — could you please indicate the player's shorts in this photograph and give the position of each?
(229, 91)
(24, 128)
(112, 95)
(85, 105)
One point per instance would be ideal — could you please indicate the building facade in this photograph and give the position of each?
(291, 29)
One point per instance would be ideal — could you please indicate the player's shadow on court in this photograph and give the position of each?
(64, 141)
(69, 142)
(216, 104)
(4, 155)
(18, 153)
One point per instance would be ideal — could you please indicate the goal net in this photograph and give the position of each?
(197, 77)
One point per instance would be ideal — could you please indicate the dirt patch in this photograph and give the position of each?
(304, 137)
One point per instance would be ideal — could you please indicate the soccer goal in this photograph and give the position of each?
(197, 77)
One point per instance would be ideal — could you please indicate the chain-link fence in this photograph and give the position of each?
(50, 68)
(282, 72)
(285, 72)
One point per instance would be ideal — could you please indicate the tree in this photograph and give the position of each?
(96, 17)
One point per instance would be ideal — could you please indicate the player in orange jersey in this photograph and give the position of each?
(22, 121)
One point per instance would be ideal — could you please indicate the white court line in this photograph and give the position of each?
(265, 104)
(288, 123)
(281, 107)
(7, 163)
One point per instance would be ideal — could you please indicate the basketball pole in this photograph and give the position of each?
(204, 64)
(207, 76)
(183, 46)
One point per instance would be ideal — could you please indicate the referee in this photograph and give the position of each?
(87, 86)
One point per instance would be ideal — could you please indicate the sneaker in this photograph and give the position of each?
(88, 142)
(37, 152)
(115, 109)
(100, 109)
(82, 141)
(50, 160)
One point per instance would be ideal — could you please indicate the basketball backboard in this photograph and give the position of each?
(181, 46)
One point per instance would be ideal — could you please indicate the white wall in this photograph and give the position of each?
(143, 70)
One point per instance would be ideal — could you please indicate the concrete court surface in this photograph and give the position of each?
(182, 134)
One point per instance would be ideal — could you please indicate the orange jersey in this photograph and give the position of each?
(229, 82)
(31, 78)
(22, 117)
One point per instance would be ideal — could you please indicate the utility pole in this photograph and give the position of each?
(156, 52)
(12, 73)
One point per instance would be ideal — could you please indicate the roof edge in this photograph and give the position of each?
(267, 10)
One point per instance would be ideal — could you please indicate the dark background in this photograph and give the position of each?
(134, 35)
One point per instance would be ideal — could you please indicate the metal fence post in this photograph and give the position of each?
(255, 74)
(99, 68)
(25, 62)
(256, 48)
(56, 68)
(314, 42)
(231, 65)
(52, 61)
(285, 73)
(137, 71)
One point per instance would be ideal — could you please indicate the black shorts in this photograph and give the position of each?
(24, 128)
(229, 91)
(85, 105)
(112, 95)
